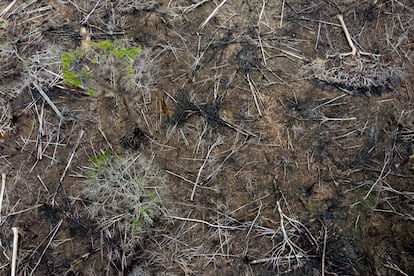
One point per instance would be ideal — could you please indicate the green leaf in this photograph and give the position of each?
(103, 45)
(92, 92)
(70, 78)
(136, 222)
(101, 159)
(67, 60)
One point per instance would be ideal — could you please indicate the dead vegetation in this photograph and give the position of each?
(206, 137)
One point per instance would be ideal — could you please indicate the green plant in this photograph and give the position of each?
(101, 159)
(144, 216)
(141, 74)
(81, 66)
(70, 78)
(123, 194)
(360, 211)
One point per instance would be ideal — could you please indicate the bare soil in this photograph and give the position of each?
(281, 156)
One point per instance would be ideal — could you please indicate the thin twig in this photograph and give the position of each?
(394, 267)
(3, 186)
(278, 259)
(383, 173)
(281, 14)
(255, 219)
(100, 129)
(15, 246)
(255, 93)
(6, 10)
(86, 18)
(71, 156)
(24, 210)
(41, 132)
(179, 176)
(208, 223)
(258, 35)
(325, 237)
(48, 100)
(193, 6)
(47, 246)
(319, 21)
(57, 140)
(237, 128)
(214, 145)
(212, 14)
(330, 101)
(318, 36)
(354, 51)
(44, 185)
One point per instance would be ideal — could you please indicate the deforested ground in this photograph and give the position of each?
(207, 137)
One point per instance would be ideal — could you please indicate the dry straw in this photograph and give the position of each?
(355, 72)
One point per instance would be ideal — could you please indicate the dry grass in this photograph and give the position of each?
(258, 157)
(5, 117)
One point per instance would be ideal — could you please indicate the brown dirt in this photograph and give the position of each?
(287, 139)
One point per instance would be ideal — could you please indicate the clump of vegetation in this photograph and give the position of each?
(141, 74)
(98, 63)
(124, 200)
(355, 76)
(19, 73)
(355, 72)
(69, 76)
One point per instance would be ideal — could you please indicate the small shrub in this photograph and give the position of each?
(95, 64)
(69, 77)
(141, 75)
(19, 72)
(123, 195)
